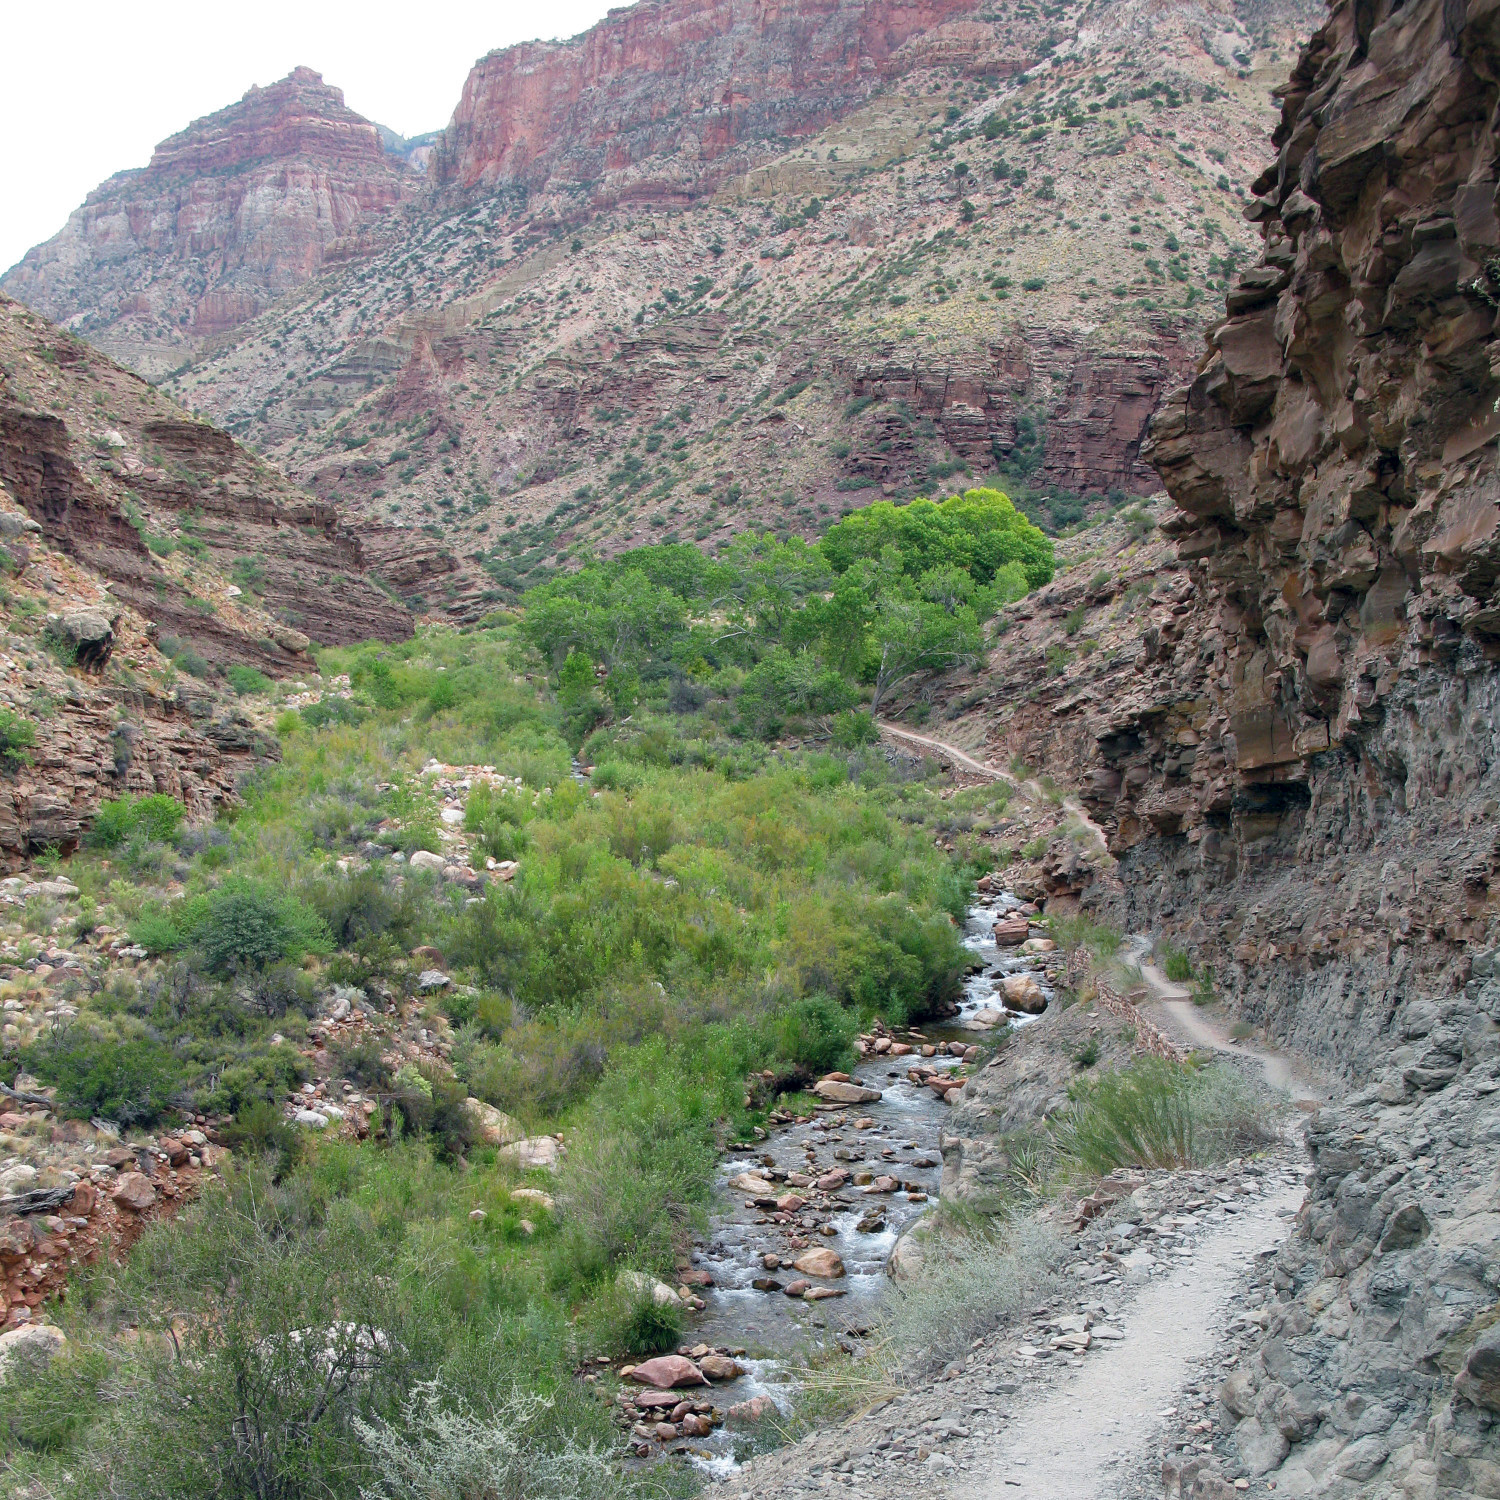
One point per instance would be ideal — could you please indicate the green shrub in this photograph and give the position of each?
(130, 1082)
(1175, 964)
(243, 925)
(651, 1327)
(432, 1101)
(17, 737)
(247, 925)
(49, 1403)
(258, 1130)
(815, 1035)
(853, 729)
(330, 711)
(358, 1058)
(156, 818)
(245, 680)
(157, 931)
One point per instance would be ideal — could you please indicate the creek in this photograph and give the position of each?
(899, 1136)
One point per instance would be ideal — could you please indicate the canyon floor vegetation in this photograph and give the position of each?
(604, 959)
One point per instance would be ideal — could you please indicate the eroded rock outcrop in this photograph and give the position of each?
(659, 102)
(232, 212)
(168, 509)
(87, 711)
(1301, 781)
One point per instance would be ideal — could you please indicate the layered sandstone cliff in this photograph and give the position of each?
(1288, 732)
(660, 101)
(231, 213)
(1334, 468)
(169, 510)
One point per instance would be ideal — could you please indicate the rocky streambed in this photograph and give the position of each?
(797, 1257)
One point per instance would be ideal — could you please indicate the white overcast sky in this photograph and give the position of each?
(90, 88)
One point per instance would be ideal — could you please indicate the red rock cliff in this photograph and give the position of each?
(694, 78)
(237, 209)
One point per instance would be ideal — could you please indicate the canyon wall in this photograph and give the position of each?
(1293, 750)
(1088, 405)
(239, 208)
(681, 86)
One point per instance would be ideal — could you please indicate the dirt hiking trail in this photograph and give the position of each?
(1094, 1435)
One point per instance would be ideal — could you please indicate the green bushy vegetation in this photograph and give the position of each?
(709, 921)
(155, 818)
(17, 737)
(245, 679)
(786, 633)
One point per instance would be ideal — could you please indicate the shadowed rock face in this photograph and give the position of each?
(1290, 734)
(687, 83)
(140, 493)
(240, 207)
(1325, 690)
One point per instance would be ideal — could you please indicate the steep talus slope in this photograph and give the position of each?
(229, 215)
(168, 509)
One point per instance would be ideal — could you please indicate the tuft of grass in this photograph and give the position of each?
(1203, 987)
(1161, 1114)
(970, 1284)
(651, 1327)
(1102, 940)
(1175, 964)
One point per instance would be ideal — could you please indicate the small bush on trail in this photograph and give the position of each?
(1100, 939)
(1162, 1114)
(1175, 964)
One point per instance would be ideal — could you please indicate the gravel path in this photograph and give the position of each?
(1190, 1023)
(1021, 1415)
(965, 761)
(1095, 1434)
(959, 757)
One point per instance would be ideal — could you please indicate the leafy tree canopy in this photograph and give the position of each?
(890, 592)
(979, 531)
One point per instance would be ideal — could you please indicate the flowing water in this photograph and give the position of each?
(897, 1135)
